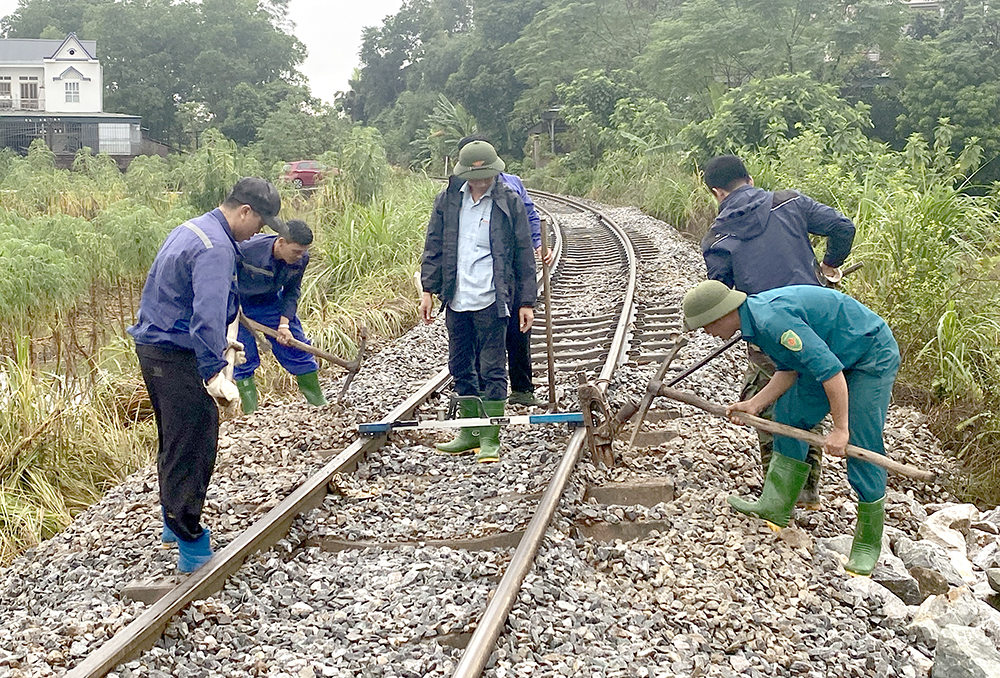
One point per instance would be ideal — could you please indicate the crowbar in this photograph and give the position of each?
(653, 387)
(351, 366)
(800, 434)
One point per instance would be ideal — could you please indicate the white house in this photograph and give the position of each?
(54, 89)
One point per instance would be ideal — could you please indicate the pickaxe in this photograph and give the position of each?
(352, 366)
(799, 434)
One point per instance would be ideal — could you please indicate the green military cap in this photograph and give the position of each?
(708, 301)
(478, 160)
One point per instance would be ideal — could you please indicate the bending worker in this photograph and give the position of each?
(833, 355)
(477, 259)
(189, 299)
(760, 241)
(270, 276)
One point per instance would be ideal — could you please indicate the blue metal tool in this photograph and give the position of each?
(381, 428)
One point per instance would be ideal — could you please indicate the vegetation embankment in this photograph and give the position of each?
(75, 247)
(926, 234)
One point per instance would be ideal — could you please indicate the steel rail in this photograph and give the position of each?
(145, 629)
(143, 632)
(483, 640)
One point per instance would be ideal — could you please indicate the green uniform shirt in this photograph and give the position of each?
(815, 331)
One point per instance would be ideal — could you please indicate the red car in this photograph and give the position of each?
(303, 173)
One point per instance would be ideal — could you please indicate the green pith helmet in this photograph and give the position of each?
(708, 301)
(478, 160)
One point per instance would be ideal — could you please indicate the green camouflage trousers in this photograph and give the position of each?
(759, 372)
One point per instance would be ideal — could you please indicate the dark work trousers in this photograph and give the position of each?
(187, 430)
(519, 356)
(476, 338)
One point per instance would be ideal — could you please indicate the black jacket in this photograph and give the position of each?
(510, 245)
(760, 240)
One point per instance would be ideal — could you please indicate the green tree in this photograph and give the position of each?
(160, 54)
(958, 79)
(762, 113)
(567, 35)
(299, 129)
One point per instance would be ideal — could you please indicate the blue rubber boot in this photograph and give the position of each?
(194, 554)
(168, 536)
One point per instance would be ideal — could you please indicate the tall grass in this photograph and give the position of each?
(75, 247)
(60, 449)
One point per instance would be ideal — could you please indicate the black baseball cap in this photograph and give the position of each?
(262, 197)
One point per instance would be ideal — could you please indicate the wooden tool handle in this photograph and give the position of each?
(799, 434)
(295, 343)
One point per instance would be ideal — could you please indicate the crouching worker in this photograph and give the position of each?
(833, 355)
(189, 299)
(270, 276)
(478, 260)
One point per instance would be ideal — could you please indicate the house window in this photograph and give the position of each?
(72, 92)
(29, 93)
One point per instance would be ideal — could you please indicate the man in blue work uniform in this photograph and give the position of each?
(270, 277)
(477, 259)
(760, 241)
(833, 355)
(188, 301)
(522, 389)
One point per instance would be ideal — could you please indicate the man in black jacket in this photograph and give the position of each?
(479, 261)
(760, 241)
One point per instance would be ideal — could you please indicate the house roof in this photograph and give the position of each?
(24, 50)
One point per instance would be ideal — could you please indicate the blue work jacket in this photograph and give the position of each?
(534, 220)
(760, 240)
(817, 332)
(268, 281)
(190, 295)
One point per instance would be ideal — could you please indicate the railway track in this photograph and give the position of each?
(592, 297)
(381, 558)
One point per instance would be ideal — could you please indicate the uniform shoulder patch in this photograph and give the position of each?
(791, 341)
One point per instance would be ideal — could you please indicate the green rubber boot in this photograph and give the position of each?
(248, 394)
(309, 385)
(489, 436)
(467, 440)
(867, 543)
(785, 478)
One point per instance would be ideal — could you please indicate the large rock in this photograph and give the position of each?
(958, 607)
(931, 582)
(864, 589)
(949, 526)
(891, 573)
(993, 577)
(964, 652)
(988, 557)
(928, 555)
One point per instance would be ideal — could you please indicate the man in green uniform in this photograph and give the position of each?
(833, 355)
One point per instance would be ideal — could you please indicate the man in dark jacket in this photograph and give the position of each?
(189, 299)
(270, 275)
(760, 241)
(478, 260)
(522, 390)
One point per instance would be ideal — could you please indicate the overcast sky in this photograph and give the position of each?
(331, 32)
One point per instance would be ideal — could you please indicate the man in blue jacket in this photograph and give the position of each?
(188, 301)
(478, 260)
(760, 241)
(270, 278)
(833, 355)
(522, 389)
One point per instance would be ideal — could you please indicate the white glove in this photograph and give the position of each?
(241, 355)
(222, 389)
